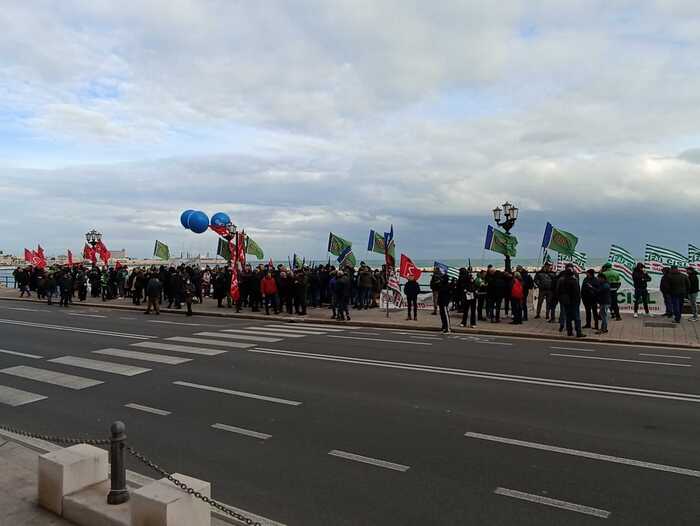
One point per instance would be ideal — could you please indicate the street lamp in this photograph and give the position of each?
(93, 237)
(510, 213)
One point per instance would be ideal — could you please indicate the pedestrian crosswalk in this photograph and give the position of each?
(152, 350)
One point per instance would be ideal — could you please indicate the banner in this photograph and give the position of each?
(104, 254)
(694, 257)
(376, 242)
(337, 245)
(500, 242)
(408, 269)
(223, 249)
(559, 240)
(38, 257)
(241, 248)
(578, 260)
(161, 250)
(90, 254)
(253, 248)
(28, 255)
(347, 258)
(624, 262)
(390, 248)
(452, 272)
(656, 258)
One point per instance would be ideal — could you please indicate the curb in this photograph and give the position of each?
(380, 325)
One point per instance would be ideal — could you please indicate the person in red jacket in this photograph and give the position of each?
(517, 295)
(268, 289)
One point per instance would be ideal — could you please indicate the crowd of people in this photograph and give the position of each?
(478, 296)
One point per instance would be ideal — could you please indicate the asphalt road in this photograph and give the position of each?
(347, 425)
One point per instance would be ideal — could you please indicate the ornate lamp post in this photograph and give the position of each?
(510, 215)
(93, 237)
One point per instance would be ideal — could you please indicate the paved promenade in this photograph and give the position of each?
(644, 330)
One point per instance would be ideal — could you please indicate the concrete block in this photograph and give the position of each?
(161, 503)
(88, 507)
(69, 470)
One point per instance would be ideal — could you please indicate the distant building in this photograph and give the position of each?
(119, 254)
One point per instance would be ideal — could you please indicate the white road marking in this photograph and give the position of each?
(379, 340)
(241, 431)
(367, 333)
(572, 349)
(122, 318)
(274, 330)
(565, 384)
(145, 356)
(621, 360)
(486, 342)
(51, 377)
(369, 460)
(666, 356)
(147, 409)
(178, 348)
(99, 365)
(328, 327)
(76, 329)
(24, 309)
(175, 323)
(304, 328)
(243, 337)
(587, 454)
(555, 503)
(267, 332)
(85, 315)
(16, 397)
(238, 393)
(23, 354)
(232, 345)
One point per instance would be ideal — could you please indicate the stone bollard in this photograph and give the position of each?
(69, 470)
(161, 503)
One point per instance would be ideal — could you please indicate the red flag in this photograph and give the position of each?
(38, 258)
(40, 252)
(28, 255)
(105, 254)
(241, 247)
(219, 229)
(408, 268)
(235, 290)
(118, 265)
(89, 253)
(70, 258)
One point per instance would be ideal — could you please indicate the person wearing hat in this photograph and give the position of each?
(640, 277)
(693, 293)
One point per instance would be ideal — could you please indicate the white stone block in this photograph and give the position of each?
(161, 503)
(68, 470)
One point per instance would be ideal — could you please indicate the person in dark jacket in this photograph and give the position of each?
(693, 293)
(569, 296)
(665, 291)
(495, 292)
(469, 300)
(188, 292)
(528, 285)
(435, 281)
(65, 284)
(544, 282)
(604, 302)
(640, 279)
(342, 296)
(154, 288)
(589, 296)
(412, 289)
(444, 296)
(678, 286)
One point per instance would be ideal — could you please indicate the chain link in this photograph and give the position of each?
(56, 439)
(196, 494)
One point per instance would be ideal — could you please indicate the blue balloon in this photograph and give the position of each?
(198, 222)
(185, 217)
(220, 219)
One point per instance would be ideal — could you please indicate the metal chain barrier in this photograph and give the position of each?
(56, 439)
(190, 491)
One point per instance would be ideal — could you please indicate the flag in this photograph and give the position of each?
(336, 244)
(28, 255)
(547, 259)
(253, 248)
(694, 257)
(220, 230)
(271, 264)
(500, 242)
(656, 258)
(623, 261)
(375, 243)
(390, 248)
(393, 281)
(104, 254)
(347, 258)
(161, 250)
(559, 240)
(70, 258)
(223, 249)
(241, 248)
(39, 258)
(297, 262)
(40, 252)
(578, 260)
(452, 272)
(89, 254)
(234, 290)
(408, 269)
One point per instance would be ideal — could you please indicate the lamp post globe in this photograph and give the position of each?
(93, 237)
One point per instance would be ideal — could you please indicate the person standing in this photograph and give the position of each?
(480, 284)
(412, 289)
(604, 302)
(444, 297)
(364, 283)
(268, 290)
(516, 298)
(65, 284)
(613, 277)
(528, 284)
(693, 293)
(342, 296)
(641, 295)
(154, 288)
(188, 293)
(544, 279)
(666, 291)
(435, 281)
(678, 285)
(569, 295)
(469, 301)
(589, 295)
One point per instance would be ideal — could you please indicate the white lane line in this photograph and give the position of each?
(147, 409)
(244, 337)
(485, 342)
(238, 393)
(232, 345)
(76, 329)
(621, 360)
(369, 460)
(85, 315)
(367, 333)
(175, 323)
(178, 348)
(241, 431)
(328, 327)
(259, 332)
(99, 365)
(379, 340)
(555, 503)
(124, 318)
(51, 377)
(24, 309)
(16, 397)
(571, 349)
(565, 384)
(666, 356)
(587, 454)
(23, 354)
(145, 356)
(274, 330)
(303, 328)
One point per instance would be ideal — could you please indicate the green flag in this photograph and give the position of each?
(376, 242)
(500, 242)
(337, 244)
(253, 248)
(347, 258)
(223, 250)
(559, 240)
(161, 250)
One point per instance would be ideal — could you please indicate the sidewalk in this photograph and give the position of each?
(657, 331)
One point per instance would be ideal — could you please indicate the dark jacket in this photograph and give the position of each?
(568, 291)
(693, 282)
(604, 293)
(154, 287)
(544, 280)
(411, 289)
(589, 289)
(444, 292)
(640, 279)
(678, 284)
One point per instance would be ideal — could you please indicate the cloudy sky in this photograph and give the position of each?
(300, 117)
